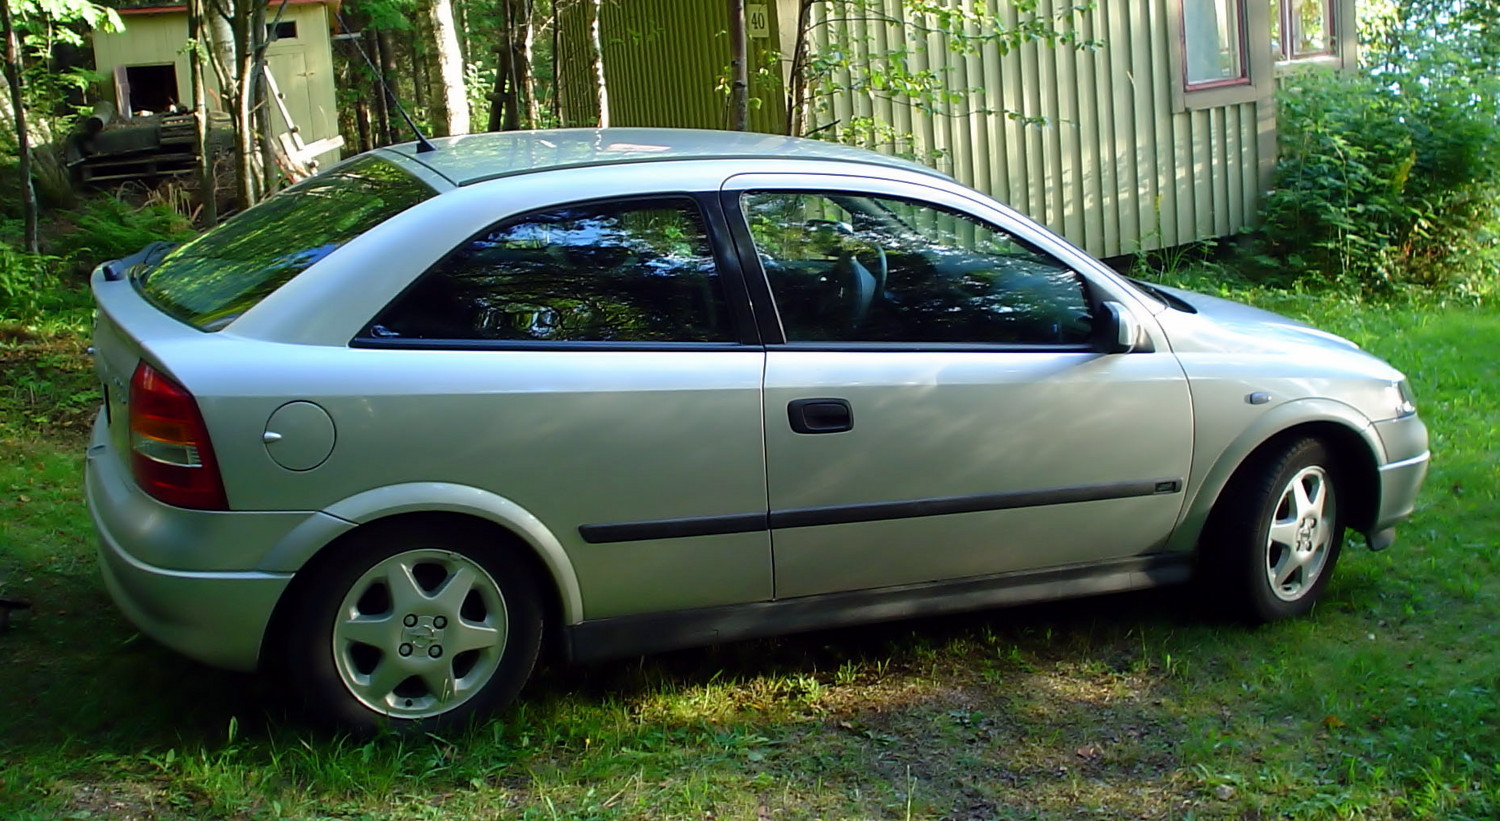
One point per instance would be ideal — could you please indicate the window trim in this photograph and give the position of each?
(721, 247)
(1255, 38)
(1343, 53)
(1243, 31)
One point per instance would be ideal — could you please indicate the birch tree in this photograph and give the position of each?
(448, 104)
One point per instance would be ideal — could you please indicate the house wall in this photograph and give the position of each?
(303, 67)
(1120, 165)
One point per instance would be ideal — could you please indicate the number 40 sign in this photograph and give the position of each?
(757, 20)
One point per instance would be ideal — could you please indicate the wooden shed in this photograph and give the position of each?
(148, 64)
(1162, 133)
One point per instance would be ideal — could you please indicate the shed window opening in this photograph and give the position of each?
(1213, 34)
(285, 30)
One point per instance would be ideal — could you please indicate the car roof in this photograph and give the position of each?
(476, 157)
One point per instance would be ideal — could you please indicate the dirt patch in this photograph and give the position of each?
(118, 801)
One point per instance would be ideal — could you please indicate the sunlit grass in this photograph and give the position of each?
(1382, 704)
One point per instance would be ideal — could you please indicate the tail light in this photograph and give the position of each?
(171, 456)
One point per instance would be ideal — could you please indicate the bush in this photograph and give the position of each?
(1389, 178)
(33, 288)
(106, 228)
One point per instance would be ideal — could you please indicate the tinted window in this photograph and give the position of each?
(864, 269)
(637, 271)
(225, 272)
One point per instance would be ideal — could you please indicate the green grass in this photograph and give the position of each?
(1382, 704)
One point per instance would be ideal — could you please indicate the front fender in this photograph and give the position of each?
(1205, 491)
(443, 497)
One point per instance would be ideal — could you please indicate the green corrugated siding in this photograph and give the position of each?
(664, 61)
(1115, 169)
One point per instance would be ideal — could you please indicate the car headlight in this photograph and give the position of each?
(1406, 401)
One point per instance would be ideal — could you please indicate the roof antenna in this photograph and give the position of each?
(424, 145)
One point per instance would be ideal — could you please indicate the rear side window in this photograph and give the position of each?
(211, 280)
(633, 271)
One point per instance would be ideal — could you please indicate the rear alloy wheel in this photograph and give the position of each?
(414, 631)
(1273, 549)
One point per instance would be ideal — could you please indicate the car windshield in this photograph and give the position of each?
(210, 281)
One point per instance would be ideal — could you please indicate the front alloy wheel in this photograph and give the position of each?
(1273, 540)
(1301, 534)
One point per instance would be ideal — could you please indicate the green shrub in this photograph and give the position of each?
(1382, 187)
(34, 287)
(106, 228)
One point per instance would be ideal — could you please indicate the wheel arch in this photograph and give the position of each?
(440, 507)
(1348, 435)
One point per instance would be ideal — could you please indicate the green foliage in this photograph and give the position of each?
(1389, 178)
(32, 286)
(50, 290)
(107, 228)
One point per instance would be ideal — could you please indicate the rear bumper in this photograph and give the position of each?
(198, 607)
(217, 618)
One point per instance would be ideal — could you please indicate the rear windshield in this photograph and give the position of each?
(226, 271)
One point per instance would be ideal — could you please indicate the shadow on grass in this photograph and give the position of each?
(79, 674)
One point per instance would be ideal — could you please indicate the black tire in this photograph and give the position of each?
(413, 629)
(1274, 539)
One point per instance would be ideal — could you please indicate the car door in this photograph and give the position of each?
(585, 362)
(935, 408)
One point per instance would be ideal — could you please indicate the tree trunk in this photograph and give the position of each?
(208, 199)
(596, 61)
(380, 128)
(534, 19)
(14, 78)
(739, 69)
(449, 102)
(796, 100)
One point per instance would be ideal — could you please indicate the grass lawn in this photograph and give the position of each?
(1382, 704)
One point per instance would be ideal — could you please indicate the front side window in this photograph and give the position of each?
(1213, 43)
(855, 268)
(634, 271)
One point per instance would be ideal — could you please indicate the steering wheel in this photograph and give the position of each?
(861, 274)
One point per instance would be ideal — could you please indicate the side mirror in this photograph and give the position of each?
(1118, 331)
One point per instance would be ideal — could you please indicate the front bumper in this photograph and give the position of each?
(1405, 441)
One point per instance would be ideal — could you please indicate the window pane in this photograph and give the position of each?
(640, 271)
(218, 276)
(1212, 41)
(1309, 27)
(847, 268)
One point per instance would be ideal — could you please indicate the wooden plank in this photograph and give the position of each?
(1237, 165)
(1017, 155)
(998, 183)
(1173, 136)
(1223, 170)
(1087, 111)
(981, 143)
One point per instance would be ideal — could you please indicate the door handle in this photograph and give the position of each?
(820, 415)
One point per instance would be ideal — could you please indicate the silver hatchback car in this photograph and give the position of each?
(629, 390)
